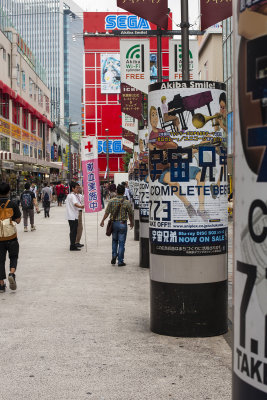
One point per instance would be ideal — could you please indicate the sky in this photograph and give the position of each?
(174, 5)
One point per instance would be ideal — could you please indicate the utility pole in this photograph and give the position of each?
(159, 51)
(70, 164)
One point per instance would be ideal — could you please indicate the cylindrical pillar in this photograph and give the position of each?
(143, 199)
(188, 208)
(136, 191)
(250, 206)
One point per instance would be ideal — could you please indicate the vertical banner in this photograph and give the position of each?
(91, 186)
(188, 168)
(143, 176)
(129, 123)
(135, 63)
(215, 11)
(131, 101)
(175, 60)
(136, 176)
(250, 216)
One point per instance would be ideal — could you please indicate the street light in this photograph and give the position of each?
(70, 165)
(107, 154)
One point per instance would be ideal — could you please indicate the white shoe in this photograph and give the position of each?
(25, 229)
(33, 228)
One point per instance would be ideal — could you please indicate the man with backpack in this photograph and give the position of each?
(9, 213)
(28, 202)
(46, 199)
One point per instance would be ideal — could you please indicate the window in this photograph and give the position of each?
(33, 124)
(4, 54)
(31, 85)
(23, 80)
(40, 126)
(25, 150)
(40, 154)
(47, 104)
(35, 88)
(25, 119)
(5, 106)
(35, 153)
(30, 151)
(16, 147)
(4, 143)
(40, 97)
(18, 75)
(9, 65)
(15, 112)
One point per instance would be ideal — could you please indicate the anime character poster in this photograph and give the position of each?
(110, 73)
(136, 176)
(143, 176)
(250, 210)
(188, 168)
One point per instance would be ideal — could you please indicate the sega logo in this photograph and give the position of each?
(126, 22)
(114, 147)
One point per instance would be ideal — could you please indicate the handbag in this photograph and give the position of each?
(109, 229)
(8, 230)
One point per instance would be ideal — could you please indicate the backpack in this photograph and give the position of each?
(61, 189)
(8, 229)
(26, 201)
(46, 197)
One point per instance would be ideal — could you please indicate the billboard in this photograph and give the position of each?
(188, 168)
(110, 73)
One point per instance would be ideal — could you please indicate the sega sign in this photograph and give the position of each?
(114, 147)
(126, 22)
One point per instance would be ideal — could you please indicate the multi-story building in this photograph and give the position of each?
(50, 27)
(25, 125)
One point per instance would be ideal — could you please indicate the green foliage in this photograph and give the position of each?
(126, 159)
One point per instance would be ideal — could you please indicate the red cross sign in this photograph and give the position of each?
(89, 146)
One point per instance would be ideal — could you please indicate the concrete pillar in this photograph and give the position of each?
(143, 199)
(188, 208)
(250, 209)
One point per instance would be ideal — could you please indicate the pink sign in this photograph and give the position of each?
(91, 185)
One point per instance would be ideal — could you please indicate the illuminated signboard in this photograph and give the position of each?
(114, 146)
(126, 22)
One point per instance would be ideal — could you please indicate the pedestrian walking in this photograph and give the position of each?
(126, 193)
(60, 191)
(80, 200)
(9, 213)
(112, 190)
(119, 210)
(72, 214)
(28, 202)
(46, 199)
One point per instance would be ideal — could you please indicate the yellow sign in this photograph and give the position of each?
(15, 132)
(4, 127)
(26, 136)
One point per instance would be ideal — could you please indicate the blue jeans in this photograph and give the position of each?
(118, 239)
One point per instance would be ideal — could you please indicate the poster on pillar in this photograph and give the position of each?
(143, 176)
(136, 176)
(188, 168)
(91, 186)
(130, 174)
(135, 63)
(250, 215)
(175, 60)
(129, 123)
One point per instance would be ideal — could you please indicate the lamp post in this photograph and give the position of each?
(107, 153)
(70, 165)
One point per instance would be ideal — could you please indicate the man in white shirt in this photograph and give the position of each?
(72, 214)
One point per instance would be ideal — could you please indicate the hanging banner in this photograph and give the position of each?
(127, 145)
(154, 11)
(131, 101)
(91, 186)
(135, 63)
(128, 135)
(136, 177)
(143, 176)
(129, 123)
(250, 232)
(188, 168)
(175, 60)
(214, 11)
(110, 73)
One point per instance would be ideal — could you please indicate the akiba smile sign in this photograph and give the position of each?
(126, 22)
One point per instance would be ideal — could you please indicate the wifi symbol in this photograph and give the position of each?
(134, 52)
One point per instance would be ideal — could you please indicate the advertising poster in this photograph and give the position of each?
(127, 145)
(110, 73)
(135, 63)
(136, 176)
(175, 60)
(250, 207)
(130, 179)
(143, 176)
(4, 127)
(129, 123)
(91, 185)
(188, 168)
(131, 101)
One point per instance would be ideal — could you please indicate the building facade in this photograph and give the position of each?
(48, 27)
(102, 110)
(25, 125)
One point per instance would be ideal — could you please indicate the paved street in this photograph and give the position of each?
(78, 328)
